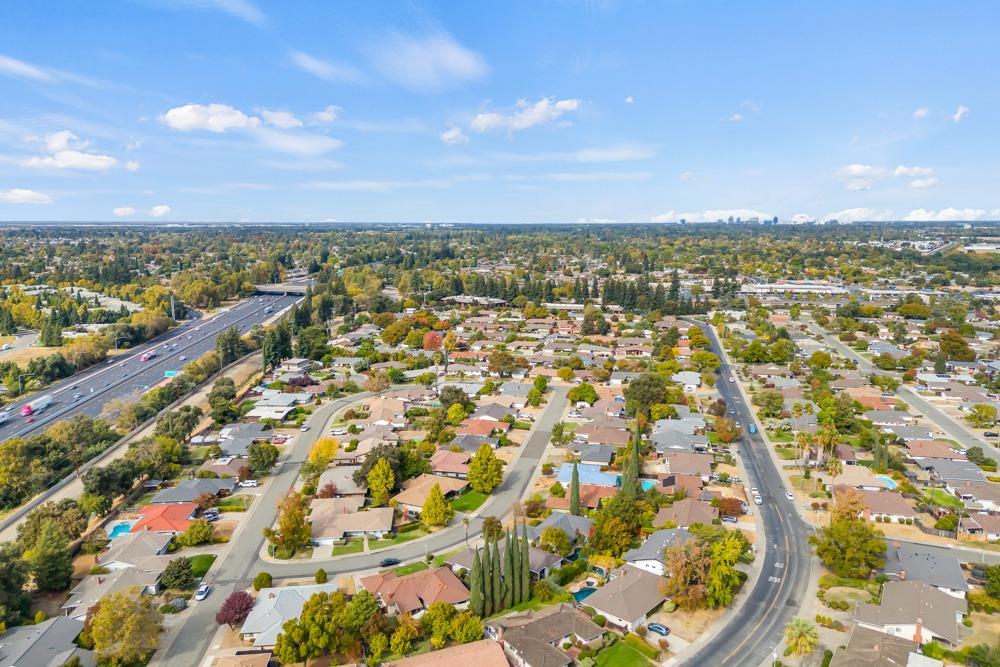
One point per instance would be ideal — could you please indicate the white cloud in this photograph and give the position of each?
(297, 143)
(159, 210)
(913, 172)
(859, 215)
(593, 176)
(22, 70)
(328, 71)
(861, 171)
(801, 218)
(921, 112)
(216, 118)
(526, 115)
(23, 196)
(65, 152)
(629, 100)
(281, 119)
(427, 63)
(453, 136)
(122, 211)
(132, 165)
(736, 118)
(959, 113)
(752, 105)
(373, 185)
(686, 175)
(584, 155)
(923, 183)
(327, 115)
(711, 215)
(951, 215)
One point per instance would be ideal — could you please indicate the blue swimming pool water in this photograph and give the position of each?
(583, 594)
(648, 484)
(119, 528)
(889, 481)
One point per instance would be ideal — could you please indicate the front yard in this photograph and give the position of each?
(469, 501)
(621, 655)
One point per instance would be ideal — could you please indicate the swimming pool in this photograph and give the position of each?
(119, 528)
(583, 593)
(648, 484)
(889, 481)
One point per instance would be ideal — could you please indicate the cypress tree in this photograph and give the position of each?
(525, 565)
(508, 572)
(630, 471)
(515, 571)
(476, 586)
(574, 492)
(487, 582)
(496, 586)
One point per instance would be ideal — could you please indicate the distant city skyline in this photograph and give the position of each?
(521, 112)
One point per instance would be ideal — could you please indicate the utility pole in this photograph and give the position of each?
(173, 314)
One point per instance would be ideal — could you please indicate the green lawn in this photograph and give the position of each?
(640, 645)
(621, 655)
(780, 436)
(355, 546)
(527, 605)
(786, 453)
(238, 503)
(441, 558)
(942, 498)
(201, 563)
(405, 534)
(469, 501)
(419, 566)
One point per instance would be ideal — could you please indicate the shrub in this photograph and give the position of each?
(641, 630)
(664, 644)
(262, 580)
(320, 576)
(967, 622)
(599, 620)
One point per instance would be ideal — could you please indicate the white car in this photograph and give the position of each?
(304, 428)
(754, 491)
(248, 484)
(789, 496)
(575, 414)
(732, 379)
(202, 592)
(182, 357)
(339, 431)
(758, 500)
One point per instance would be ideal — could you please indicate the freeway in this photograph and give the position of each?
(236, 567)
(126, 376)
(944, 423)
(757, 627)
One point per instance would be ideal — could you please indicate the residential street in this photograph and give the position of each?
(921, 405)
(236, 567)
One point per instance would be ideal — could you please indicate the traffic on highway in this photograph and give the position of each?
(135, 371)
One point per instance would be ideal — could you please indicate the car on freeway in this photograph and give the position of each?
(202, 592)
(77, 396)
(789, 496)
(388, 562)
(248, 484)
(758, 500)
(754, 491)
(29, 420)
(181, 358)
(189, 336)
(659, 629)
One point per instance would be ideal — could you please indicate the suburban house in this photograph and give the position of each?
(685, 512)
(689, 380)
(45, 644)
(411, 499)
(912, 562)
(687, 463)
(190, 490)
(450, 464)
(144, 550)
(171, 519)
(342, 479)
(981, 526)
(588, 474)
(591, 496)
(886, 504)
(595, 455)
(535, 638)
(628, 598)
(334, 519)
(871, 648)
(574, 527)
(254, 659)
(914, 610)
(649, 555)
(91, 590)
(274, 607)
(482, 653)
(414, 593)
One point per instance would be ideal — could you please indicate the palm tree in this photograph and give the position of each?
(801, 636)
(833, 466)
(804, 441)
(465, 522)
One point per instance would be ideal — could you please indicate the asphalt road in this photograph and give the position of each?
(21, 341)
(943, 421)
(235, 568)
(127, 377)
(757, 626)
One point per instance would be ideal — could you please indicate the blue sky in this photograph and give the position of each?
(533, 111)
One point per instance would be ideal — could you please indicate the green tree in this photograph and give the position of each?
(436, 510)
(230, 346)
(378, 645)
(50, 558)
(198, 532)
(402, 638)
(261, 457)
(381, 481)
(645, 391)
(125, 628)
(574, 492)
(456, 414)
(465, 628)
(982, 415)
(555, 540)
(723, 578)
(293, 532)
(583, 392)
(631, 468)
(525, 569)
(178, 574)
(508, 571)
(476, 601)
(496, 587)
(514, 578)
(801, 636)
(487, 581)
(485, 470)
(848, 546)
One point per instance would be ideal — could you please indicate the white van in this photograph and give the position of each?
(4, 416)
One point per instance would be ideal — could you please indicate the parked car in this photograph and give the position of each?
(210, 514)
(304, 428)
(575, 414)
(202, 592)
(388, 562)
(789, 496)
(659, 629)
(339, 431)
(992, 434)
(249, 484)
(728, 518)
